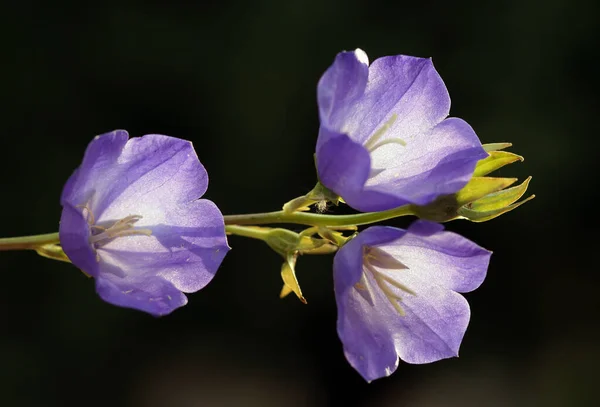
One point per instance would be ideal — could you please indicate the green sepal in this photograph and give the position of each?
(300, 204)
(496, 160)
(333, 235)
(319, 195)
(478, 187)
(500, 199)
(290, 245)
(496, 146)
(482, 199)
(52, 251)
(55, 252)
(478, 217)
(495, 204)
(288, 275)
(326, 248)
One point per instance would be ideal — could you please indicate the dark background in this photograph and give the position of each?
(239, 80)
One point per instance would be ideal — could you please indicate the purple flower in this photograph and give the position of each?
(397, 295)
(132, 220)
(384, 139)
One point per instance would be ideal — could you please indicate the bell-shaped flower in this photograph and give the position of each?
(397, 295)
(385, 139)
(132, 220)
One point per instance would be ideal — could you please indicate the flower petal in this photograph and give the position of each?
(418, 178)
(446, 258)
(186, 250)
(372, 331)
(157, 171)
(150, 293)
(120, 177)
(374, 335)
(74, 233)
(434, 324)
(97, 169)
(369, 351)
(440, 162)
(341, 86)
(368, 346)
(406, 86)
(343, 165)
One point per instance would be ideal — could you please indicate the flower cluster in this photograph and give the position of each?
(385, 141)
(133, 219)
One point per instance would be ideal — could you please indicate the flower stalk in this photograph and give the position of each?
(28, 242)
(317, 219)
(239, 225)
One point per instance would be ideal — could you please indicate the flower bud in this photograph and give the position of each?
(483, 198)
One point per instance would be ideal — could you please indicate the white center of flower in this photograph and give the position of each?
(374, 257)
(374, 142)
(108, 231)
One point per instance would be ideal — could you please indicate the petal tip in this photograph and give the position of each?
(120, 133)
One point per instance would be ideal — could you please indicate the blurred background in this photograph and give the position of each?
(238, 78)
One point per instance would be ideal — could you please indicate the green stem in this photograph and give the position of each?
(316, 219)
(234, 223)
(28, 242)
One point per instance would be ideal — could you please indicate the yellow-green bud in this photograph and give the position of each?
(483, 198)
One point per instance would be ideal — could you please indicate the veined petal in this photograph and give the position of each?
(343, 165)
(147, 293)
(440, 162)
(435, 317)
(98, 168)
(341, 86)
(446, 258)
(367, 348)
(74, 236)
(375, 336)
(406, 86)
(186, 250)
(157, 171)
(417, 177)
(348, 261)
(409, 87)
(434, 323)
(142, 173)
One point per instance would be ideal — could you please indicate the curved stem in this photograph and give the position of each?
(234, 223)
(28, 242)
(316, 219)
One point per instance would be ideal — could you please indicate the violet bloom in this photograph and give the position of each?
(384, 139)
(397, 295)
(132, 220)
